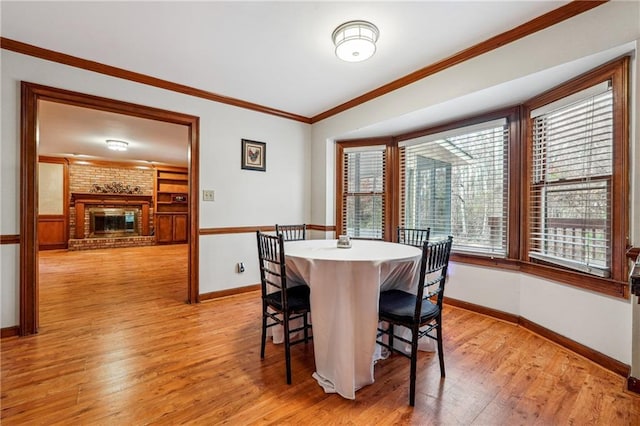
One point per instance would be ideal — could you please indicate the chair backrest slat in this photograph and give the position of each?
(292, 232)
(273, 271)
(413, 236)
(433, 271)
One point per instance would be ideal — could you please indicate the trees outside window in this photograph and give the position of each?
(455, 183)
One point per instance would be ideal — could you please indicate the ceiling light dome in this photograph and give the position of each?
(355, 40)
(116, 145)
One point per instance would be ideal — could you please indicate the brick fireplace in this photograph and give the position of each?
(105, 220)
(90, 194)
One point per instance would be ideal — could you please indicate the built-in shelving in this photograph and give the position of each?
(171, 205)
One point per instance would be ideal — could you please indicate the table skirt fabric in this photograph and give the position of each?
(344, 310)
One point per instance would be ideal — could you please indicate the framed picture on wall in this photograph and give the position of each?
(254, 155)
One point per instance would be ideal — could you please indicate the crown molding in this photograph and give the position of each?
(74, 61)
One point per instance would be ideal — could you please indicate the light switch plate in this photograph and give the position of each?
(208, 195)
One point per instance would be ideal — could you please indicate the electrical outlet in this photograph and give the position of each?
(208, 195)
(240, 267)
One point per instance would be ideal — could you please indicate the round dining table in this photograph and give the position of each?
(345, 286)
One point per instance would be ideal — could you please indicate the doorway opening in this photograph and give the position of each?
(29, 274)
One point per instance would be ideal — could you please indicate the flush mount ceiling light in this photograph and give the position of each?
(355, 40)
(116, 145)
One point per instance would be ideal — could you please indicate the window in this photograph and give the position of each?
(572, 167)
(362, 187)
(455, 182)
(576, 181)
(541, 188)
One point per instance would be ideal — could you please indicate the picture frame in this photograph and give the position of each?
(254, 155)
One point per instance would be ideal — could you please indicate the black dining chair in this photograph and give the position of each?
(292, 232)
(280, 303)
(413, 236)
(415, 311)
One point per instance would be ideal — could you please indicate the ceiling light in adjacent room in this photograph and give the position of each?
(116, 145)
(355, 40)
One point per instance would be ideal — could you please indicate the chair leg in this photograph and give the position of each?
(391, 337)
(440, 351)
(264, 330)
(287, 347)
(414, 366)
(306, 328)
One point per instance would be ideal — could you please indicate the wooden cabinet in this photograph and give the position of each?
(171, 205)
(172, 228)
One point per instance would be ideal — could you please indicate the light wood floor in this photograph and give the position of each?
(119, 346)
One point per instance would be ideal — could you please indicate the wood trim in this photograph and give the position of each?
(30, 95)
(540, 23)
(166, 168)
(110, 163)
(237, 230)
(493, 313)
(495, 262)
(599, 358)
(391, 146)
(617, 71)
(81, 200)
(325, 228)
(633, 253)
(29, 302)
(339, 199)
(252, 229)
(47, 223)
(514, 187)
(9, 239)
(9, 332)
(109, 198)
(633, 384)
(54, 160)
(229, 292)
(74, 61)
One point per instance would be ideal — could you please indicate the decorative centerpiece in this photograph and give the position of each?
(344, 241)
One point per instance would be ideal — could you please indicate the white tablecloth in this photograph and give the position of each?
(345, 287)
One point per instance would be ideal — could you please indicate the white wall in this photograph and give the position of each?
(599, 322)
(243, 198)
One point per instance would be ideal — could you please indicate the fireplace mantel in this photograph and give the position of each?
(81, 199)
(104, 198)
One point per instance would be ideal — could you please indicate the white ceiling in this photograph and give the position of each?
(275, 54)
(81, 133)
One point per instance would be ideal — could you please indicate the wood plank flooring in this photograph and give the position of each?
(119, 346)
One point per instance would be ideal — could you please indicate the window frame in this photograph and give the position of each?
(388, 184)
(512, 160)
(617, 71)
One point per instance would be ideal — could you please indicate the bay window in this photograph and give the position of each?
(542, 187)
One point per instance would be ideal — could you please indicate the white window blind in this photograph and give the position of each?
(570, 201)
(363, 203)
(455, 183)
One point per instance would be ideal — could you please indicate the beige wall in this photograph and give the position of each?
(51, 189)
